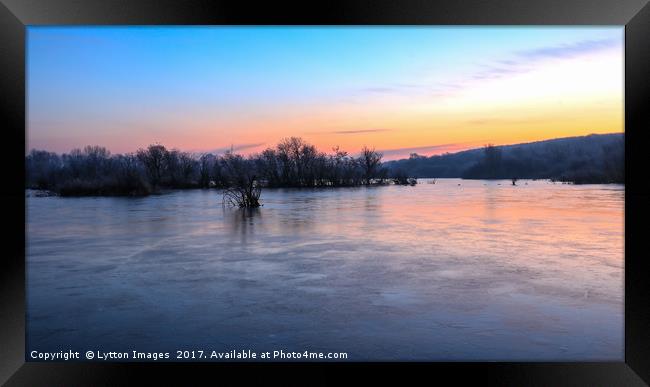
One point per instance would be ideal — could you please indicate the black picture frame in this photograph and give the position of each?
(15, 15)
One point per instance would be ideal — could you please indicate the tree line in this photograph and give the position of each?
(293, 162)
(593, 159)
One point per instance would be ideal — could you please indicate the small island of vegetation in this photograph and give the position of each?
(94, 171)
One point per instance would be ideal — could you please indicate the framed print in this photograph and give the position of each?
(288, 193)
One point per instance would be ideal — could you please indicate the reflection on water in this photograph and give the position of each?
(242, 223)
(457, 270)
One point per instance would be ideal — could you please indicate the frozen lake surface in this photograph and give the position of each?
(457, 270)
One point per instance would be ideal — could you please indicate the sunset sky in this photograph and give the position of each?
(400, 89)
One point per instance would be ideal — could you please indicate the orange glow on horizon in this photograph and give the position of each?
(545, 98)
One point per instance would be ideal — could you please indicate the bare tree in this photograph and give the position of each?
(43, 169)
(188, 168)
(370, 161)
(206, 168)
(242, 190)
(153, 159)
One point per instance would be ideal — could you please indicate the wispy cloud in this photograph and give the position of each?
(569, 50)
(235, 148)
(360, 131)
(383, 89)
(518, 62)
(406, 89)
(509, 121)
(522, 61)
(355, 131)
(392, 154)
(496, 71)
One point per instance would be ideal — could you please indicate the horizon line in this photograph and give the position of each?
(195, 153)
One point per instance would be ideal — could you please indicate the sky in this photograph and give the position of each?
(401, 90)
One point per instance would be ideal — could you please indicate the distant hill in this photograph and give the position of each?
(596, 158)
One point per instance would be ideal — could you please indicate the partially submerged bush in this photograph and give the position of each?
(242, 197)
(243, 190)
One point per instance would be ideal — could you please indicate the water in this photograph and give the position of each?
(457, 270)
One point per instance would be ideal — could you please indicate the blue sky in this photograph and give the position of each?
(203, 88)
